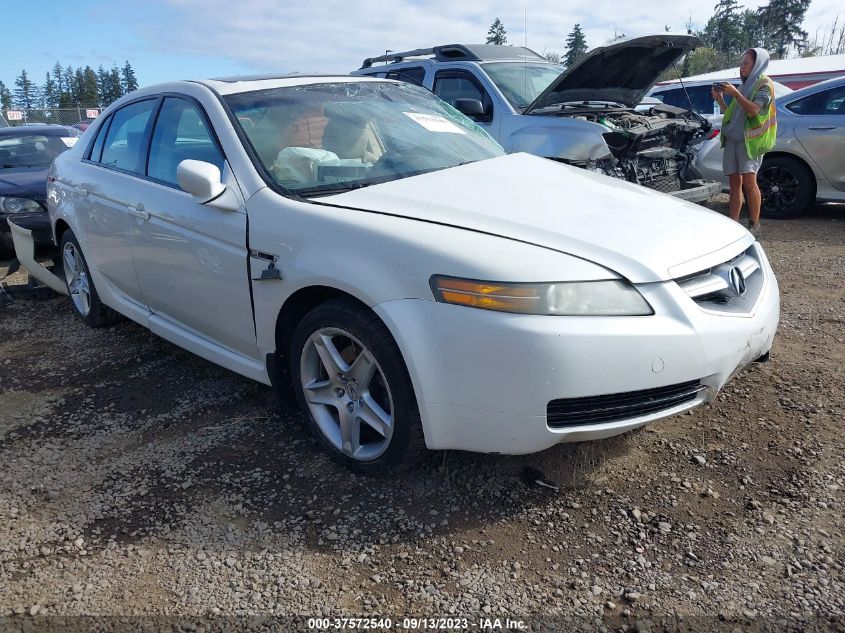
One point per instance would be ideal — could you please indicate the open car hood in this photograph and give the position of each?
(621, 72)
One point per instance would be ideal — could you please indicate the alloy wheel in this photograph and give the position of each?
(347, 393)
(78, 284)
(779, 188)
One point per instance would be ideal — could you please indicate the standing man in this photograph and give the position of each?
(749, 130)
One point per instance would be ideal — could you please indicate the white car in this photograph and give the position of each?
(364, 241)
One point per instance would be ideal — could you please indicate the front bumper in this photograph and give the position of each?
(484, 380)
(702, 191)
(37, 223)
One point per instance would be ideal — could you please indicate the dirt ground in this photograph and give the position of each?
(139, 480)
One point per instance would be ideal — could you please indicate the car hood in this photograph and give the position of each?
(638, 233)
(621, 72)
(24, 180)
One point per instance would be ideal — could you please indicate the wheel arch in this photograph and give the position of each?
(291, 313)
(59, 229)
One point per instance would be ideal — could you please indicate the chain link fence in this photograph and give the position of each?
(58, 116)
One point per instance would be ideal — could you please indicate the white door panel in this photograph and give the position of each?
(192, 266)
(105, 226)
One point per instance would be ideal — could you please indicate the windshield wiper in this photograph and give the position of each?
(324, 190)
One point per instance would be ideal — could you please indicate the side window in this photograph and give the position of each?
(669, 97)
(830, 102)
(181, 133)
(834, 101)
(97, 149)
(413, 75)
(124, 145)
(453, 85)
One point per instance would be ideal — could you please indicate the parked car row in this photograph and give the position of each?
(364, 243)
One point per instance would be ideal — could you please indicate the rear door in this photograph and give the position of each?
(191, 259)
(108, 180)
(820, 128)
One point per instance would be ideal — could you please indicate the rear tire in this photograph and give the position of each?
(352, 384)
(787, 187)
(84, 298)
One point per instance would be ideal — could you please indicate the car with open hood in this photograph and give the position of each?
(363, 244)
(26, 152)
(584, 115)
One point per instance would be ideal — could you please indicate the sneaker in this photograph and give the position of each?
(754, 229)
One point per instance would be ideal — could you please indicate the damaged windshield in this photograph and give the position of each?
(326, 138)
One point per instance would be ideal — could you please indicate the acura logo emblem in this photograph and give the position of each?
(737, 281)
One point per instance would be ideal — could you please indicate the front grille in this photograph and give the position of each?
(712, 288)
(619, 406)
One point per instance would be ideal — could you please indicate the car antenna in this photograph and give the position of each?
(524, 59)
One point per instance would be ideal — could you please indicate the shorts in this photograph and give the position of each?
(735, 159)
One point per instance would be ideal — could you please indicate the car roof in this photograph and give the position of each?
(817, 87)
(247, 83)
(456, 53)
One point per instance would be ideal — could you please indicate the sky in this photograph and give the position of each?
(191, 39)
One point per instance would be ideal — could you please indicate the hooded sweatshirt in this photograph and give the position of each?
(735, 129)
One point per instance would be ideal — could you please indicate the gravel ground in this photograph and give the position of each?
(139, 480)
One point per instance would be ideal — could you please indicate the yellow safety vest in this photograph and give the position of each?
(761, 129)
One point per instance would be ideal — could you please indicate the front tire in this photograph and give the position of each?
(84, 298)
(352, 383)
(787, 187)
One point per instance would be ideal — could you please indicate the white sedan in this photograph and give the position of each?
(363, 242)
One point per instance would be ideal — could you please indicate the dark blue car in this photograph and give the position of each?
(26, 153)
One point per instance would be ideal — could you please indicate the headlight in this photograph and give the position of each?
(612, 297)
(18, 205)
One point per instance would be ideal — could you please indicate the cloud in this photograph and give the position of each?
(331, 36)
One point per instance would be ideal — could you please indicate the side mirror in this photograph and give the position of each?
(470, 107)
(200, 179)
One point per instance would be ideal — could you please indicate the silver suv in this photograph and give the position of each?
(582, 116)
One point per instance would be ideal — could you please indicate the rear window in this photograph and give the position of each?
(34, 150)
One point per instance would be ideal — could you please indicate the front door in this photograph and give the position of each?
(191, 259)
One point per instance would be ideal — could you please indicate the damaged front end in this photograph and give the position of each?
(655, 150)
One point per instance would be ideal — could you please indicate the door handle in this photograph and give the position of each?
(81, 191)
(822, 127)
(139, 212)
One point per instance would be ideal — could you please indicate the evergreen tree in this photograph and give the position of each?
(115, 85)
(5, 97)
(576, 46)
(780, 24)
(496, 34)
(723, 31)
(102, 84)
(89, 93)
(750, 35)
(49, 96)
(59, 79)
(70, 96)
(25, 92)
(128, 81)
